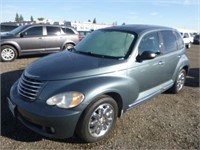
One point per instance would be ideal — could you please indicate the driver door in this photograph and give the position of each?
(148, 73)
(31, 40)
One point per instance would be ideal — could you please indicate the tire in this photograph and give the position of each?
(8, 53)
(68, 46)
(97, 120)
(188, 46)
(179, 83)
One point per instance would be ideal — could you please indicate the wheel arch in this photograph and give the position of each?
(68, 42)
(14, 46)
(119, 101)
(186, 68)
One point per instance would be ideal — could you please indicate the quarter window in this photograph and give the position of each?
(53, 31)
(169, 41)
(150, 42)
(179, 41)
(68, 31)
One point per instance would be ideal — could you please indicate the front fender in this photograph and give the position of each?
(12, 43)
(95, 86)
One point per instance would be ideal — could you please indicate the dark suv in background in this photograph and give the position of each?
(37, 39)
(6, 28)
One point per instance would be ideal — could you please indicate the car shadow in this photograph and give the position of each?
(192, 79)
(11, 127)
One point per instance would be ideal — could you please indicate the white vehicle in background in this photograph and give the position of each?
(187, 38)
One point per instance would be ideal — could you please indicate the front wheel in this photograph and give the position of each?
(8, 53)
(188, 46)
(98, 119)
(180, 81)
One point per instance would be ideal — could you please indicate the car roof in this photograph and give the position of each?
(138, 28)
(29, 25)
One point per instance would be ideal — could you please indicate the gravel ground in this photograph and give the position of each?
(167, 121)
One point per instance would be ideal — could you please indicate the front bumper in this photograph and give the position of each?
(48, 121)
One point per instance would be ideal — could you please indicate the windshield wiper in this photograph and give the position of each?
(92, 54)
(98, 55)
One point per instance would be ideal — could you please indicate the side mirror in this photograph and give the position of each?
(22, 34)
(146, 55)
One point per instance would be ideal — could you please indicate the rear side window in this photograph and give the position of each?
(169, 41)
(179, 40)
(53, 31)
(68, 31)
(34, 31)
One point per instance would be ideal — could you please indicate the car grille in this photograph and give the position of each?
(29, 88)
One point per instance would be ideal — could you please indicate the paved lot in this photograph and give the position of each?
(167, 121)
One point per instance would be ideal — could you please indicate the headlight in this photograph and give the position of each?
(66, 100)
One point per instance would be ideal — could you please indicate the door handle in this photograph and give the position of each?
(161, 62)
(40, 38)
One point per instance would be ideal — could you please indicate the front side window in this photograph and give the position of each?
(149, 42)
(106, 43)
(169, 41)
(53, 31)
(34, 31)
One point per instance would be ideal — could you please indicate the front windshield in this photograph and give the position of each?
(106, 43)
(17, 30)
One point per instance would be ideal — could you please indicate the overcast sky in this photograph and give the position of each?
(173, 13)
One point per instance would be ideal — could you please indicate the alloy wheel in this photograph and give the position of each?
(101, 120)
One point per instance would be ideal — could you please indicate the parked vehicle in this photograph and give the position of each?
(83, 34)
(187, 38)
(197, 39)
(111, 70)
(37, 39)
(6, 28)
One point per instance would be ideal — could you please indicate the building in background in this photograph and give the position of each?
(88, 26)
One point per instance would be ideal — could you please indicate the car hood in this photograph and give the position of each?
(70, 65)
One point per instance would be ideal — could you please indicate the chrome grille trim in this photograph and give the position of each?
(31, 82)
(20, 84)
(31, 98)
(29, 88)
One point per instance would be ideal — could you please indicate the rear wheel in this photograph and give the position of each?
(8, 53)
(68, 46)
(180, 81)
(98, 119)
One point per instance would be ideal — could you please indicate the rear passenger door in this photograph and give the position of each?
(53, 39)
(170, 52)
